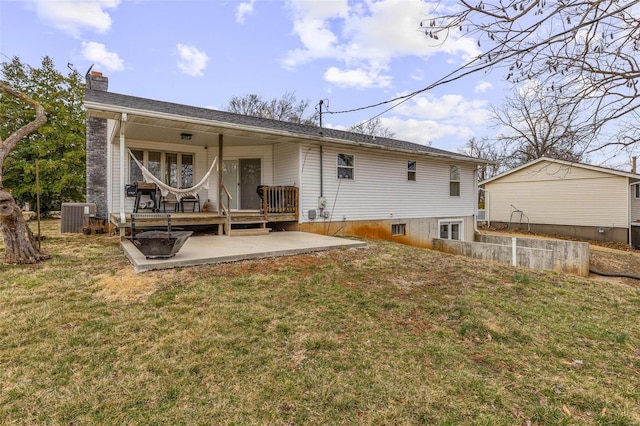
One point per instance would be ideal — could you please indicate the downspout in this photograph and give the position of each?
(321, 173)
(123, 120)
(321, 168)
(109, 173)
(629, 198)
(475, 200)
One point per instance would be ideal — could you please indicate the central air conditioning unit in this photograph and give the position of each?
(75, 216)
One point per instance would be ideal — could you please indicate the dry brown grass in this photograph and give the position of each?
(386, 335)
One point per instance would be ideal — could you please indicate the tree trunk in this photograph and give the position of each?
(20, 246)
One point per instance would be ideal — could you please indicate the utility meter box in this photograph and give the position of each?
(322, 203)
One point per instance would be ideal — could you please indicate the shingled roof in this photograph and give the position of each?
(117, 101)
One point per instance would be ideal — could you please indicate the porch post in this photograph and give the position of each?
(220, 167)
(123, 121)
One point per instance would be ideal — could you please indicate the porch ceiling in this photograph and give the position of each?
(168, 131)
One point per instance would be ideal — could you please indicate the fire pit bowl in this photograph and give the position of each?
(160, 244)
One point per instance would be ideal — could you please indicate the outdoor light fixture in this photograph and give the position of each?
(185, 136)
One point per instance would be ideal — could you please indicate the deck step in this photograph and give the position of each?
(249, 232)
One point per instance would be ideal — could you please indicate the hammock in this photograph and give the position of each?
(178, 192)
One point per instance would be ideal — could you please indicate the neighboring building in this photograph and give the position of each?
(564, 198)
(343, 182)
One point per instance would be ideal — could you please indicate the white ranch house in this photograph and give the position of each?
(331, 181)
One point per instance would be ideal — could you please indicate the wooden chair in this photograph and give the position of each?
(170, 199)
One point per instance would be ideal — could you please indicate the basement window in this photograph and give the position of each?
(450, 229)
(398, 229)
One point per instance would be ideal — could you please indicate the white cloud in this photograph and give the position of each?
(358, 78)
(192, 60)
(449, 120)
(73, 17)
(365, 36)
(98, 54)
(446, 108)
(482, 87)
(425, 131)
(244, 9)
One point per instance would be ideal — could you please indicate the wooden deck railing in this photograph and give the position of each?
(225, 209)
(279, 199)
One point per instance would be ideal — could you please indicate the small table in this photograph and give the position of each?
(147, 189)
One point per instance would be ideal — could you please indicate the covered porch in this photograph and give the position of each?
(278, 205)
(245, 174)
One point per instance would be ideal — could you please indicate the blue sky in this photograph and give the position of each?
(349, 53)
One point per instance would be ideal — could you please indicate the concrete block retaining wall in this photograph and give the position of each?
(533, 258)
(568, 256)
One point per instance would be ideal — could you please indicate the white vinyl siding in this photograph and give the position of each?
(635, 203)
(286, 158)
(380, 189)
(561, 195)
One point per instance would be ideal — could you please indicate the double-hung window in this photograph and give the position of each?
(454, 181)
(411, 170)
(346, 166)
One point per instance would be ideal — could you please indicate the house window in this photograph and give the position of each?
(450, 229)
(411, 170)
(637, 190)
(345, 166)
(454, 181)
(178, 170)
(154, 163)
(398, 229)
(174, 169)
(135, 174)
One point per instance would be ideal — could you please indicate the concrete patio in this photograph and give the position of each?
(204, 250)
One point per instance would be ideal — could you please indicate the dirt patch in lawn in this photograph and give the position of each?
(127, 286)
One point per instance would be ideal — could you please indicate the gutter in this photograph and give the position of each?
(261, 130)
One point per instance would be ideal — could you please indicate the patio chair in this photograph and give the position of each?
(170, 199)
(195, 201)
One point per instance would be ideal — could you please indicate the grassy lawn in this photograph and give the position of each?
(385, 335)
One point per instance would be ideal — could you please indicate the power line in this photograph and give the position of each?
(451, 76)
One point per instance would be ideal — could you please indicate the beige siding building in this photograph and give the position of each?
(559, 197)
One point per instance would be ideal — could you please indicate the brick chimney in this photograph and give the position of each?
(96, 150)
(96, 81)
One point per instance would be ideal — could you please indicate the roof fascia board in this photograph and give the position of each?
(221, 124)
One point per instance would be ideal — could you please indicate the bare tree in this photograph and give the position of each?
(582, 52)
(533, 125)
(287, 108)
(19, 243)
(372, 128)
(487, 150)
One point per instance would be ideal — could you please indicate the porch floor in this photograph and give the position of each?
(203, 250)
